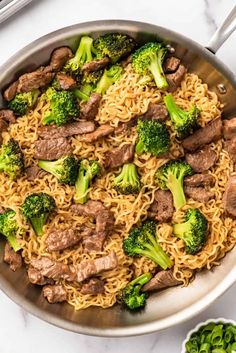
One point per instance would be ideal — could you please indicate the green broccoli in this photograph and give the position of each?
(183, 122)
(83, 55)
(37, 208)
(142, 241)
(23, 102)
(148, 60)
(109, 77)
(11, 159)
(171, 176)
(63, 107)
(64, 169)
(10, 228)
(193, 231)
(88, 84)
(87, 171)
(128, 182)
(114, 45)
(131, 296)
(153, 137)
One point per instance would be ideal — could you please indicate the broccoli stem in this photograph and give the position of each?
(141, 280)
(81, 188)
(103, 84)
(139, 148)
(157, 71)
(38, 224)
(181, 229)
(48, 119)
(176, 187)
(84, 51)
(13, 242)
(81, 95)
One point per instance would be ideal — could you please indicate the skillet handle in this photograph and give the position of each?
(223, 32)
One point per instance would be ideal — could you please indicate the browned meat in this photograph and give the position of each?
(53, 269)
(11, 91)
(7, 115)
(34, 80)
(12, 258)
(211, 132)
(202, 159)
(65, 81)
(171, 64)
(94, 242)
(3, 127)
(198, 193)
(125, 62)
(101, 131)
(36, 277)
(55, 293)
(174, 79)
(124, 127)
(229, 197)
(163, 279)
(59, 57)
(94, 286)
(229, 128)
(62, 239)
(199, 180)
(96, 65)
(91, 268)
(35, 172)
(89, 110)
(52, 149)
(230, 146)
(155, 112)
(2, 209)
(70, 129)
(119, 156)
(162, 208)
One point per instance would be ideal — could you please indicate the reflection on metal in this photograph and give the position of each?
(221, 88)
(10, 7)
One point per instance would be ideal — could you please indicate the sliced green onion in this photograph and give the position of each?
(217, 335)
(205, 348)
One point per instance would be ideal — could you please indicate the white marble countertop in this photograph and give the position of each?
(197, 19)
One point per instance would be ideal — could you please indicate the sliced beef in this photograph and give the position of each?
(53, 269)
(91, 268)
(155, 112)
(34, 80)
(3, 127)
(35, 172)
(55, 293)
(229, 197)
(199, 194)
(2, 210)
(211, 132)
(202, 159)
(229, 128)
(65, 82)
(124, 127)
(96, 65)
(93, 286)
(67, 130)
(101, 131)
(199, 180)
(174, 79)
(11, 91)
(230, 146)
(59, 57)
(94, 242)
(163, 279)
(7, 115)
(12, 258)
(50, 150)
(62, 239)
(119, 156)
(162, 208)
(171, 64)
(36, 277)
(125, 62)
(89, 110)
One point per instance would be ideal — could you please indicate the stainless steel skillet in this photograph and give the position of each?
(169, 307)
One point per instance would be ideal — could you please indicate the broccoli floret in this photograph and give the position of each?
(183, 122)
(87, 171)
(142, 241)
(88, 84)
(193, 231)
(64, 169)
(63, 107)
(131, 296)
(11, 159)
(114, 45)
(171, 176)
(109, 77)
(23, 102)
(10, 228)
(128, 182)
(153, 137)
(147, 61)
(37, 208)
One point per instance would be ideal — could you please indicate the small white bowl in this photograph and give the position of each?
(204, 323)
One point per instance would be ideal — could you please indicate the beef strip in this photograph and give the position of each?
(125, 62)
(7, 115)
(93, 286)
(36, 277)
(11, 91)
(89, 110)
(53, 269)
(155, 112)
(55, 293)
(199, 194)
(101, 131)
(211, 132)
(199, 180)
(174, 79)
(35, 172)
(91, 268)
(62, 239)
(162, 208)
(12, 258)
(3, 127)
(66, 82)
(124, 127)
(202, 159)
(34, 80)
(163, 279)
(2, 209)
(230, 146)
(171, 64)
(94, 242)
(229, 197)
(229, 128)
(52, 149)
(96, 65)
(119, 156)
(67, 130)
(59, 57)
